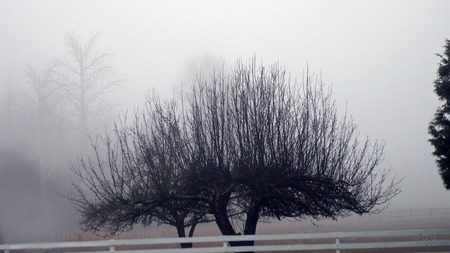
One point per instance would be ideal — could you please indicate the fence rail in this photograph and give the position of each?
(414, 213)
(415, 239)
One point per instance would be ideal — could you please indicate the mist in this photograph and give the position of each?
(378, 57)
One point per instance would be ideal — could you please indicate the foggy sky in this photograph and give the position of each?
(379, 57)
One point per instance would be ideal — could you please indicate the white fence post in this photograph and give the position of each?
(337, 243)
(225, 245)
(112, 248)
(6, 248)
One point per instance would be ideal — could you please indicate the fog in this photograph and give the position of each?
(378, 56)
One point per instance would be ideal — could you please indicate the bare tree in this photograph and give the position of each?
(86, 75)
(44, 98)
(249, 146)
(10, 111)
(6, 111)
(129, 179)
(269, 149)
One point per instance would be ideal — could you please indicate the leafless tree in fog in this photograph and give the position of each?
(86, 75)
(268, 149)
(7, 98)
(44, 98)
(247, 145)
(128, 183)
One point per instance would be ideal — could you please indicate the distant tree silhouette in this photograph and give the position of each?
(439, 127)
(44, 98)
(242, 146)
(85, 75)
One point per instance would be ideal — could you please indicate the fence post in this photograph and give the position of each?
(111, 247)
(225, 245)
(6, 248)
(337, 243)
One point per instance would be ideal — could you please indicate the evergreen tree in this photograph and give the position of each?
(439, 127)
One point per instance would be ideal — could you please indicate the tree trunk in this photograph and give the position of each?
(252, 218)
(224, 224)
(250, 225)
(43, 164)
(182, 234)
(191, 230)
(221, 215)
(83, 106)
(83, 124)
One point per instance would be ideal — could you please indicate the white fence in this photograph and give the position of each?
(425, 240)
(414, 213)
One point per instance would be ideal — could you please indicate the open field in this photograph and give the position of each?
(400, 220)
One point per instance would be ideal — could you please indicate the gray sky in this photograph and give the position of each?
(378, 55)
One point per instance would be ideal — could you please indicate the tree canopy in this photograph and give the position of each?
(237, 147)
(439, 127)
